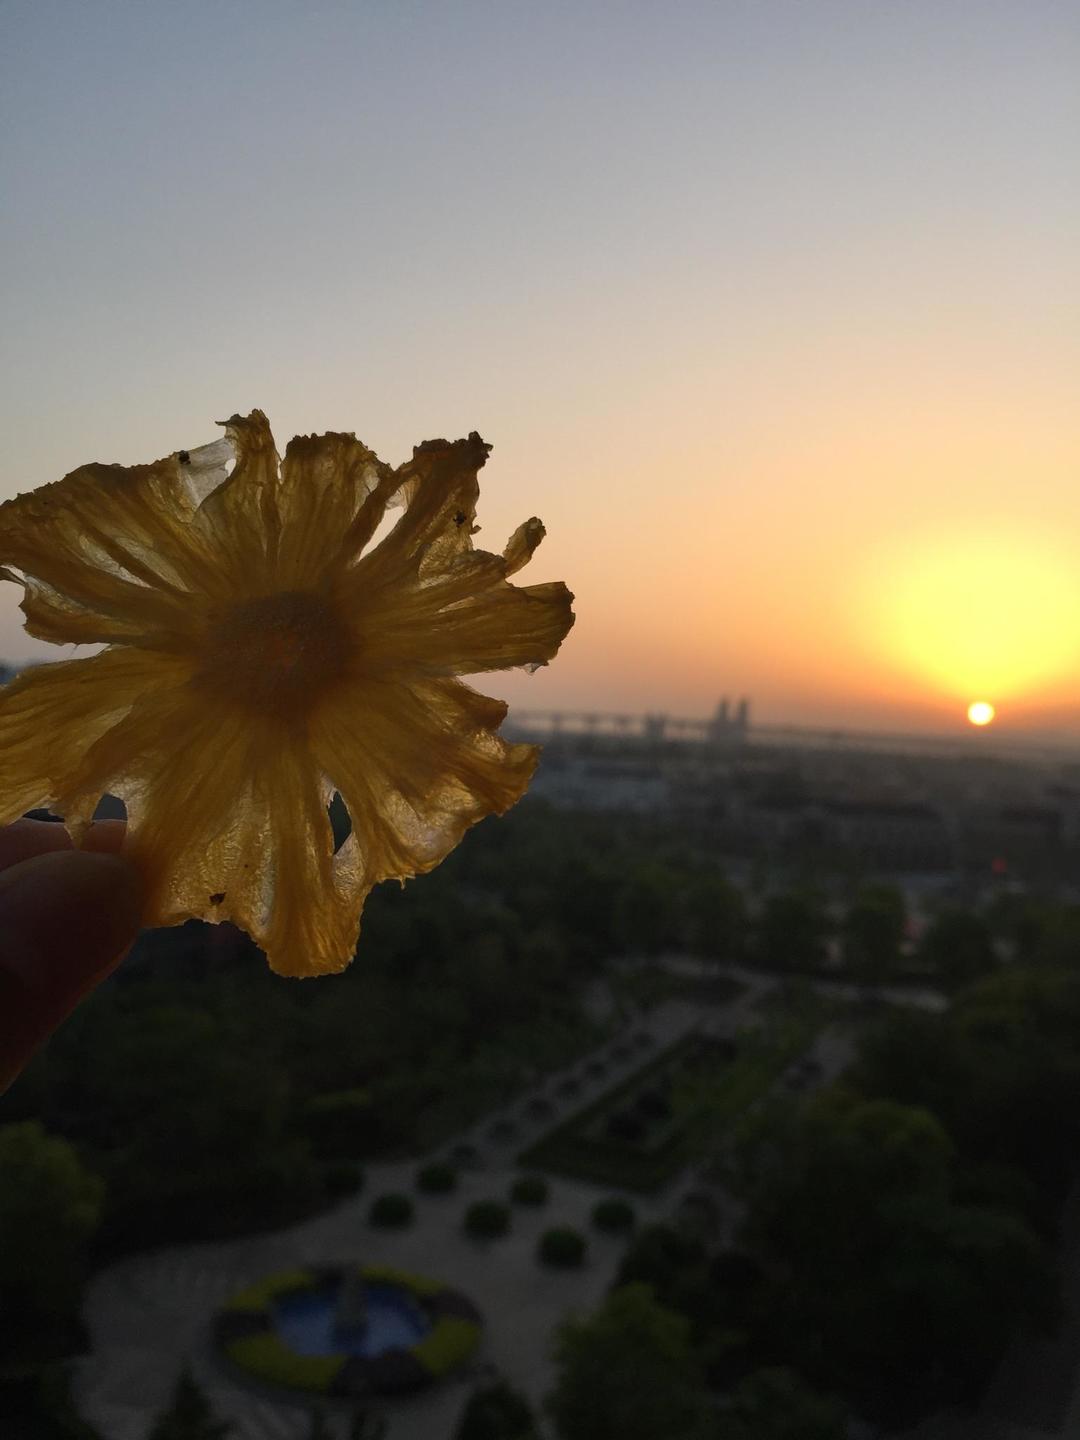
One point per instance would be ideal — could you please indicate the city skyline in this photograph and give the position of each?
(768, 311)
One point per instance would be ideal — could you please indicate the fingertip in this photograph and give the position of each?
(25, 838)
(67, 915)
(105, 837)
(66, 919)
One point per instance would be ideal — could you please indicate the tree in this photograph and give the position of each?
(674, 1266)
(716, 917)
(496, 1412)
(883, 1287)
(777, 1404)
(1001, 1071)
(365, 1425)
(791, 932)
(49, 1208)
(217, 1156)
(646, 911)
(873, 930)
(189, 1416)
(626, 1372)
(39, 1406)
(957, 947)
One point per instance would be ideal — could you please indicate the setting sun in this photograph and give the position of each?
(977, 614)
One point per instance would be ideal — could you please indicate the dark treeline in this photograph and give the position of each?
(898, 1231)
(196, 1095)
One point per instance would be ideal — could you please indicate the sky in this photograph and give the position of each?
(770, 309)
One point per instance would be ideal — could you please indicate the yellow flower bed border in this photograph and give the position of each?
(246, 1339)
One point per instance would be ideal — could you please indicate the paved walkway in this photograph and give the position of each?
(147, 1313)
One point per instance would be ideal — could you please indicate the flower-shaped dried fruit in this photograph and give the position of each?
(263, 653)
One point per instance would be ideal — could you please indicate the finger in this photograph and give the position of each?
(65, 920)
(27, 838)
(105, 837)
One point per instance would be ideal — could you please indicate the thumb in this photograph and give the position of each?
(65, 920)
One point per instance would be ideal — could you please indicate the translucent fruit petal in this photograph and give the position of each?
(108, 553)
(426, 602)
(429, 767)
(54, 717)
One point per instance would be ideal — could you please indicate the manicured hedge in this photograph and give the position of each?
(391, 1211)
(270, 1359)
(614, 1216)
(529, 1190)
(451, 1342)
(436, 1178)
(487, 1219)
(562, 1247)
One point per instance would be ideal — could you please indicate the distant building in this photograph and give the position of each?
(729, 724)
(1016, 835)
(895, 835)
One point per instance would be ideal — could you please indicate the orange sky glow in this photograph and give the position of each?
(784, 354)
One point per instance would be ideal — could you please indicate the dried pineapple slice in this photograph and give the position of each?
(261, 655)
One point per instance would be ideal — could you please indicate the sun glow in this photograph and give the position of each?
(980, 615)
(980, 712)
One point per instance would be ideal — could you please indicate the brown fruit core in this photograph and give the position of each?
(276, 654)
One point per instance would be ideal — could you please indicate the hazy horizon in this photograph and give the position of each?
(769, 311)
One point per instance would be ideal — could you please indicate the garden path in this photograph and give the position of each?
(146, 1313)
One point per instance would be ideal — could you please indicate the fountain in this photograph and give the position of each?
(348, 1330)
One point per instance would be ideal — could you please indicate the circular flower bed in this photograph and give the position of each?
(246, 1335)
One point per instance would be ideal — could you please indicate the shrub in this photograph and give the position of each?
(270, 1359)
(496, 1412)
(529, 1190)
(487, 1219)
(614, 1216)
(436, 1178)
(391, 1211)
(562, 1247)
(343, 1178)
(626, 1126)
(654, 1105)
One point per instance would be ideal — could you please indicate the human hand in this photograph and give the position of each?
(67, 917)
